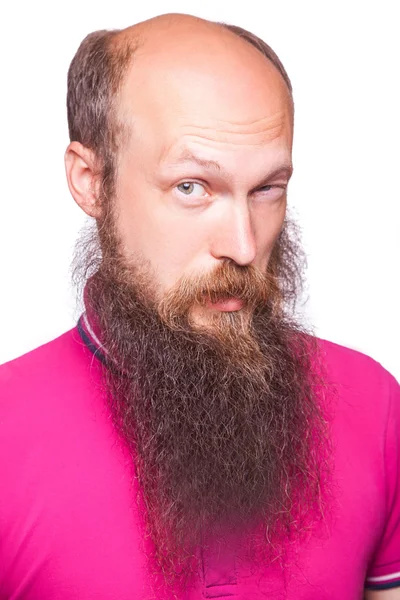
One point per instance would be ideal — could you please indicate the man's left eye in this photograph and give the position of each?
(190, 188)
(271, 192)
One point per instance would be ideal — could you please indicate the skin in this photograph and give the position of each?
(393, 594)
(208, 95)
(210, 121)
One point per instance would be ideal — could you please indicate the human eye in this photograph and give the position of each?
(271, 192)
(191, 189)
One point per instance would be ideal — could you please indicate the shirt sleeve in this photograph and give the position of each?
(384, 572)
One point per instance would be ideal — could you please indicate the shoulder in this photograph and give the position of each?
(45, 396)
(52, 348)
(60, 354)
(353, 368)
(45, 375)
(367, 395)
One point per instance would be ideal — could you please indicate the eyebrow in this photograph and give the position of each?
(213, 165)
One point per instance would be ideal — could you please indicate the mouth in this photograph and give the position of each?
(226, 304)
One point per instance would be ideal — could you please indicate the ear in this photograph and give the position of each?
(82, 177)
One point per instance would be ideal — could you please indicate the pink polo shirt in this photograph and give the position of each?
(69, 527)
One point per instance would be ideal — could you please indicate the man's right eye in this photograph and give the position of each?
(192, 189)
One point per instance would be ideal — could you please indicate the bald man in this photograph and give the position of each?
(189, 438)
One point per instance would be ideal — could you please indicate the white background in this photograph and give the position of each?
(343, 59)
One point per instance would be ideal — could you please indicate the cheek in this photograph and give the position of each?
(170, 241)
(175, 246)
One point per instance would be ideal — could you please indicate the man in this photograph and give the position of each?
(189, 438)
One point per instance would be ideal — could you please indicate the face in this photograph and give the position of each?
(202, 178)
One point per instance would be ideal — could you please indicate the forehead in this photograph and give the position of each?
(216, 92)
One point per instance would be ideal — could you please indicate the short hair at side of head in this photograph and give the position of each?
(264, 48)
(94, 79)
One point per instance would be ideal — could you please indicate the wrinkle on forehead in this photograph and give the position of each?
(218, 140)
(213, 113)
(266, 128)
(254, 125)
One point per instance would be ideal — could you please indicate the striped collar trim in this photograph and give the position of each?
(383, 582)
(91, 340)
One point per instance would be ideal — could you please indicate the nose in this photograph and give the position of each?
(234, 236)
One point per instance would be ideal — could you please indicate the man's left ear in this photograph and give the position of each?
(82, 177)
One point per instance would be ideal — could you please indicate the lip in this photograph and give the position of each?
(226, 304)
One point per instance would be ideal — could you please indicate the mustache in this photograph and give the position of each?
(227, 280)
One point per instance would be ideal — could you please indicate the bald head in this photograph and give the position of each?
(204, 70)
(98, 69)
(176, 34)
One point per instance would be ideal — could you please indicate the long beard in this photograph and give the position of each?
(225, 423)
